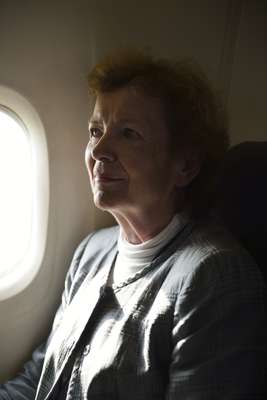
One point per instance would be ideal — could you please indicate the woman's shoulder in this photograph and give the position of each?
(101, 238)
(96, 245)
(211, 249)
(209, 237)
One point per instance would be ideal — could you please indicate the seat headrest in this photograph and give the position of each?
(242, 197)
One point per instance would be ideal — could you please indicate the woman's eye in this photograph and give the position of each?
(95, 132)
(130, 133)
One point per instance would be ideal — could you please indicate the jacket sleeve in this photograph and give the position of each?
(23, 387)
(219, 332)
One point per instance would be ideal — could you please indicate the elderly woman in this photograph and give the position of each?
(166, 305)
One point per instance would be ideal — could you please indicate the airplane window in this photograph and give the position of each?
(24, 198)
(16, 190)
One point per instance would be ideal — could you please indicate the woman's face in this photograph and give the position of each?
(128, 156)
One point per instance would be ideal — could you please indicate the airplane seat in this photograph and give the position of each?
(242, 198)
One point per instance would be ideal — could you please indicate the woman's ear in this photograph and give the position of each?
(187, 169)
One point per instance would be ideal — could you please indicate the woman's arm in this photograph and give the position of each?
(23, 387)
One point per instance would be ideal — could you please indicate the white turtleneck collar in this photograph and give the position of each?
(134, 257)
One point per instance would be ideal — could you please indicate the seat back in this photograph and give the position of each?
(242, 198)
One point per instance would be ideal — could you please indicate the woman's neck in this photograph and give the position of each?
(142, 228)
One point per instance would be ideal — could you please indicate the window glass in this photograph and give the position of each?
(16, 190)
(24, 192)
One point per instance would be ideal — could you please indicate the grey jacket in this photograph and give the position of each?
(191, 326)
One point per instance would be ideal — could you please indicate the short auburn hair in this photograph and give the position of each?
(193, 110)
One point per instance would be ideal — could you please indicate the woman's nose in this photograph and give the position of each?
(104, 148)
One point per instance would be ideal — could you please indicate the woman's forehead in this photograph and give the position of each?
(126, 103)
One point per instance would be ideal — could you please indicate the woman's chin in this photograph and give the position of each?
(106, 200)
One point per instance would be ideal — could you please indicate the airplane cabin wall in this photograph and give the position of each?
(46, 50)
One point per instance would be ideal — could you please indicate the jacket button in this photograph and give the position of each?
(86, 350)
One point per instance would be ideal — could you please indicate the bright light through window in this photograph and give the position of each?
(24, 193)
(16, 190)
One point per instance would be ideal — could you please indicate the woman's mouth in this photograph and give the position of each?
(107, 179)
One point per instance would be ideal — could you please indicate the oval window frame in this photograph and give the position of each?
(18, 278)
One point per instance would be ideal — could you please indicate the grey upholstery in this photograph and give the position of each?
(242, 197)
